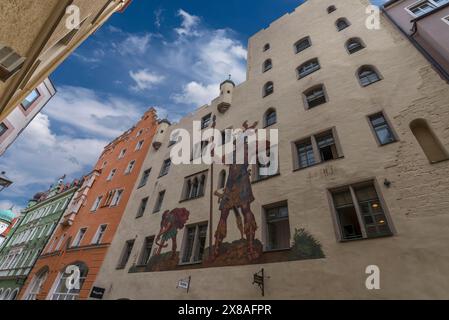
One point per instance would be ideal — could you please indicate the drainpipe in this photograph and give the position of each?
(415, 43)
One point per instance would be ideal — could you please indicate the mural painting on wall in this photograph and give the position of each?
(236, 197)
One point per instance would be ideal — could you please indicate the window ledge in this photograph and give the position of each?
(190, 263)
(318, 164)
(265, 179)
(191, 199)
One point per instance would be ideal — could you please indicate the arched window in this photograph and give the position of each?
(368, 75)
(308, 67)
(267, 65)
(222, 179)
(331, 9)
(428, 141)
(61, 292)
(14, 294)
(315, 96)
(342, 24)
(266, 47)
(268, 89)
(36, 285)
(353, 45)
(270, 117)
(303, 44)
(6, 294)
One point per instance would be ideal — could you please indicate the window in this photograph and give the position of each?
(446, 19)
(303, 44)
(139, 145)
(146, 251)
(130, 167)
(62, 292)
(194, 187)
(116, 198)
(267, 65)
(367, 75)
(139, 133)
(122, 154)
(382, 129)
(268, 89)
(99, 234)
(353, 45)
(79, 237)
(359, 212)
(165, 168)
(96, 204)
(317, 149)
(429, 142)
(194, 243)
(423, 7)
(142, 207)
(277, 227)
(10, 62)
(315, 96)
(331, 9)
(174, 137)
(126, 254)
(111, 174)
(145, 176)
(160, 200)
(205, 121)
(270, 118)
(307, 68)
(30, 99)
(3, 128)
(222, 179)
(266, 47)
(342, 24)
(36, 285)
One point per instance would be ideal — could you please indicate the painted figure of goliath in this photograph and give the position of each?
(238, 196)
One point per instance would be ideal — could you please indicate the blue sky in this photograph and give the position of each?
(170, 55)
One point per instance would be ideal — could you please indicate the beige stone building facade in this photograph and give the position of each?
(46, 38)
(363, 178)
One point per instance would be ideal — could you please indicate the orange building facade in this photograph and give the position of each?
(68, 265)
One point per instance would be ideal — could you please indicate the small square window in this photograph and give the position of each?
(30, 99)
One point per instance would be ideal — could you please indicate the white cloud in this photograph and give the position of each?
(133, 44)
(145, 79)
(188, 24)
(197, 94)
(39, 156)
(158, 18)
(90, 113)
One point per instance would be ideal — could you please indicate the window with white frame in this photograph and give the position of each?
(194, 243)
(96, 204)
(116, 198)
(62, 292)
(359, 212)
(139, 145)
(122, 154)
(422, 7)
(111, 174)
(99, 234)
(79, 237)
(36, 286)
(130, 167)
